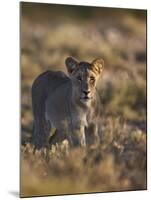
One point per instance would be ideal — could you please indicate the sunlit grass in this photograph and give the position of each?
(117, 164)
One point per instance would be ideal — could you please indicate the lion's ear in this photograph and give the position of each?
(98, 65)
(71, 64)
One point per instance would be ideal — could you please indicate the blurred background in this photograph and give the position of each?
(50, 33)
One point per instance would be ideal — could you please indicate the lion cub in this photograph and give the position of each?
(67, 104)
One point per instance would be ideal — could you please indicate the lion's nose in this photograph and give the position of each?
(86, 92)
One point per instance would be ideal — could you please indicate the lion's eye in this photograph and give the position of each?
(79, 78)
(92, 78)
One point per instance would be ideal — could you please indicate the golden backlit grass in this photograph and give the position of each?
(117, 164)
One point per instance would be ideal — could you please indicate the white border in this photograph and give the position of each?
(9, 98)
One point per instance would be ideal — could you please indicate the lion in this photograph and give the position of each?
(67, 104)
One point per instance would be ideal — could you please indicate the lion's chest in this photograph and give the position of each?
(61, 115)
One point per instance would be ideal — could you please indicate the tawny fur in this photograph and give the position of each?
(68, 104)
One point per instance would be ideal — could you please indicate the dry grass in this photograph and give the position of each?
(119, 163)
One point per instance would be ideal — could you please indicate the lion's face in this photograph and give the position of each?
(84, 77)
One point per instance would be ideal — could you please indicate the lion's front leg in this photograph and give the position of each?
(91, 134)
(77, 137)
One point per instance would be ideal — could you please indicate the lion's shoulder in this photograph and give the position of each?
(43, 86)
(49, 80)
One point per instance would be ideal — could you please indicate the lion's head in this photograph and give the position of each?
(84, 77)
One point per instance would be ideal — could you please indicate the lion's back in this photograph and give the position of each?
(43, 86)
(49, 80)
